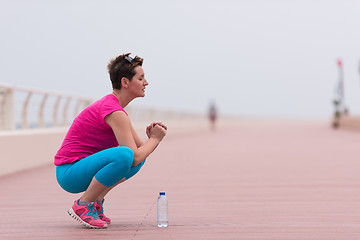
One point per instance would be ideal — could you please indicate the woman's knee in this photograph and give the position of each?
(124, 156)
(119, 164)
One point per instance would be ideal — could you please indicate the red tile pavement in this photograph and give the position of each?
(261, 180)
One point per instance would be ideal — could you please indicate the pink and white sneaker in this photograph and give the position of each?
(100, 211)
(87, 215)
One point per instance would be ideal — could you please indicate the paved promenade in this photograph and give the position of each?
(256, 180)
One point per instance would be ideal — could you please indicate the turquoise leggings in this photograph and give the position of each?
(108, 167)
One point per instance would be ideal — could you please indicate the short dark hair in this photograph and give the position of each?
(123, 66)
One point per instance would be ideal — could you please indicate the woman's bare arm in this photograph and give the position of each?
(136, 137)
(123, 130)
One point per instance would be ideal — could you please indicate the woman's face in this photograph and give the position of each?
(138, 83)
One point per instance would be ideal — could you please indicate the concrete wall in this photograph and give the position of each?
(31, 148)
(26, 149)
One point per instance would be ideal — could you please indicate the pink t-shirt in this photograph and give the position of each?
(89, 133)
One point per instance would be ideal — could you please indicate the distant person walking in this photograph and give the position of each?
(212, 115)
(101, 148)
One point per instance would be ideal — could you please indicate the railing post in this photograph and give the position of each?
(56, 106)
(41, 111)
(87, 102)
(24, 119)
(77, 107)
(7, 109)
(65, 110)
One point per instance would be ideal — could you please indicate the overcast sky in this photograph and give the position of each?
(252, 57)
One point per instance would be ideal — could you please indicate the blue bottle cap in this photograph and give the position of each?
(162, 193)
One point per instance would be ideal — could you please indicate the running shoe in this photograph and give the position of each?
(87, 215)
(100, 211)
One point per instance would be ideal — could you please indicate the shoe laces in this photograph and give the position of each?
(92, 210)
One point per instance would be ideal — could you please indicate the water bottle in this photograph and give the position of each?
(162, 210)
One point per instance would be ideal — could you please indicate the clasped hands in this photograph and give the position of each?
(157, 130)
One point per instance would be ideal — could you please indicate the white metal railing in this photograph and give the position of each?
(23, 108)
(14, 97)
